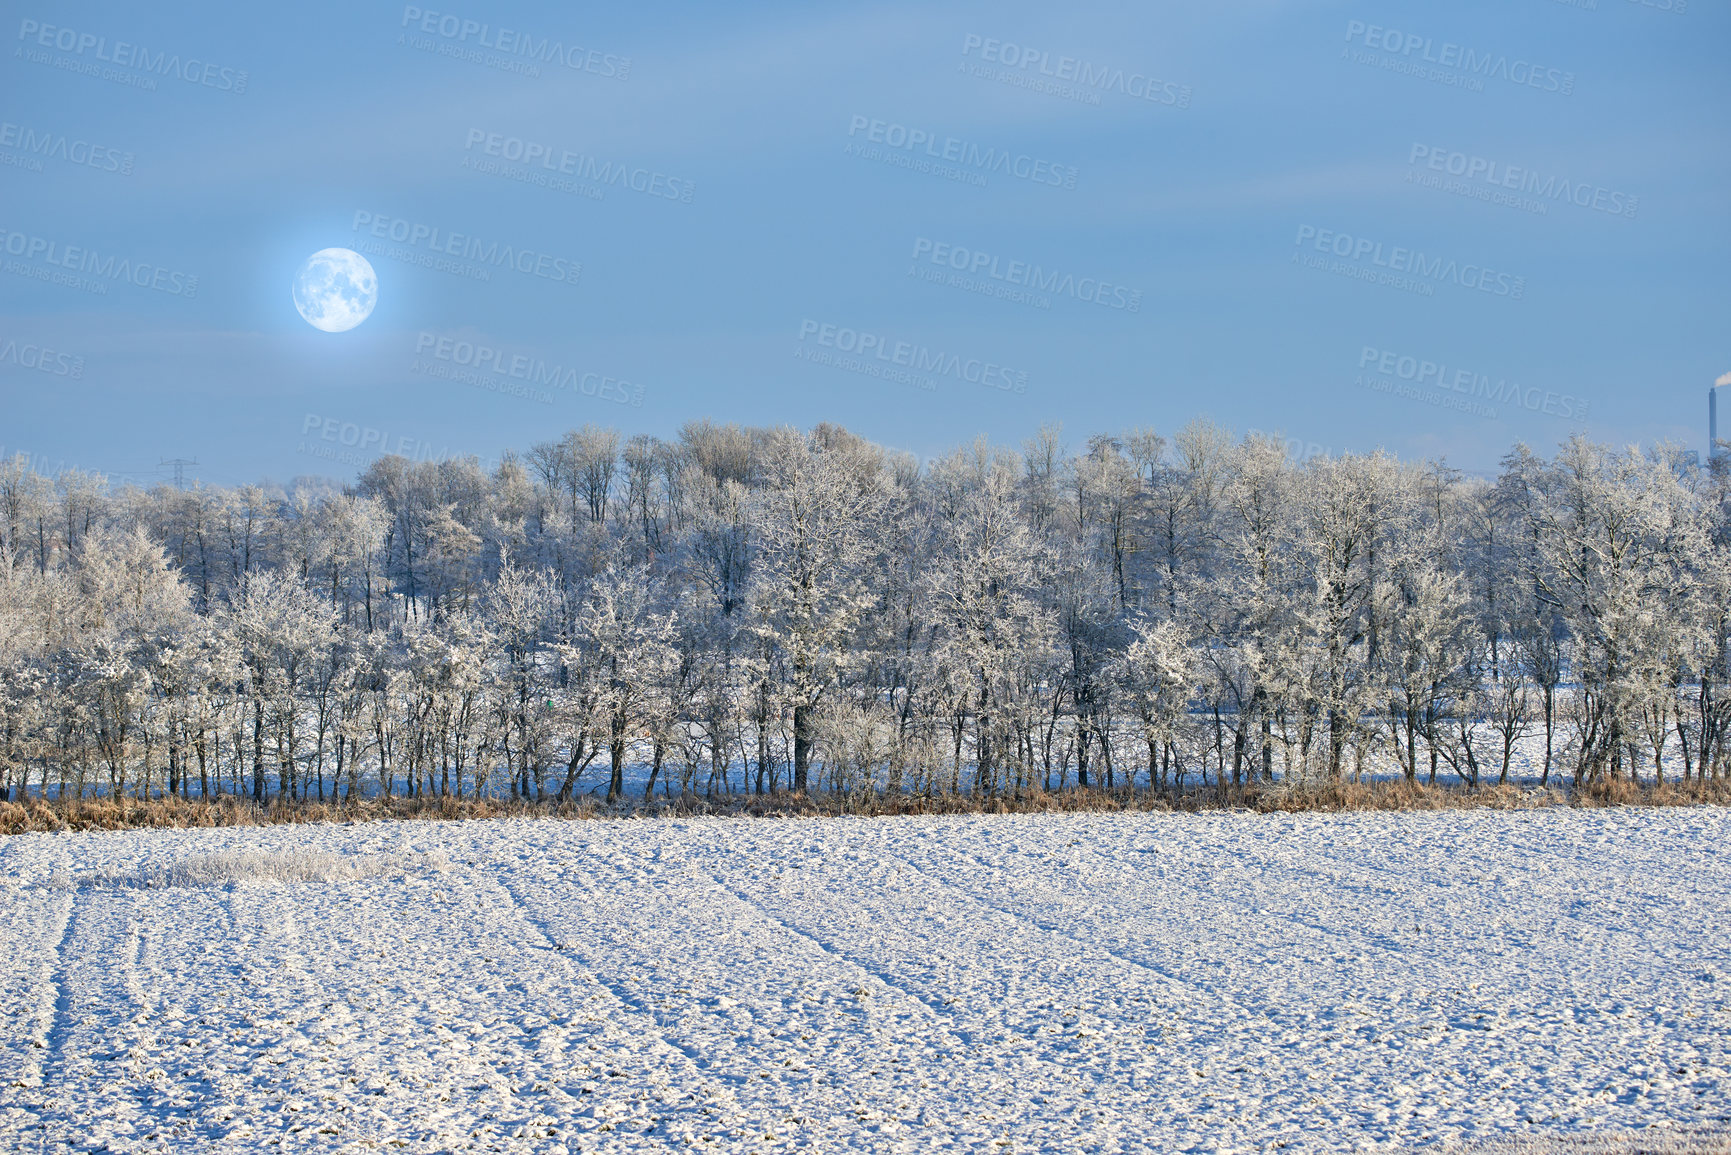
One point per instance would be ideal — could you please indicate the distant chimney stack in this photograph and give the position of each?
(1713, 449)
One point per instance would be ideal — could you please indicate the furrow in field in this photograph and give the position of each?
(803, 1041)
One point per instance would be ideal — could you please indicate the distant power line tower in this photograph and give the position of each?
(179, 464)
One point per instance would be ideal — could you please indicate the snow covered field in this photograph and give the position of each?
(1069, 983)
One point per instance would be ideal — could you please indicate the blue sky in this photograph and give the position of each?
(1433, 228)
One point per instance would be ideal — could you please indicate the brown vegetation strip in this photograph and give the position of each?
(227, 810)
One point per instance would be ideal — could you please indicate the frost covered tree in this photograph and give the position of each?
(625, 633)
(737, 608)
(815, 522)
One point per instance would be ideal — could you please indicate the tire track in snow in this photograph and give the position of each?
(713, 1095)
(1447, 1011)
(968, 1042)
(35, 912)
(1172, 981)
(1273, 1013)
(49, 993)
(568, 954)
(1276, 1002)
(112, 1067)
(685, 1100)
(950, 1092)
(1496, 845)
(353, 972)
(793, 1045)
(1058, 898)
(1023, 1056)
(1252, 1027)
(148, 1069)
(55, 1106)
(1468, 914)
(937, 1016)
(1135, 899)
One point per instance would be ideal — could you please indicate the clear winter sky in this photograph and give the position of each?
(1267, 121)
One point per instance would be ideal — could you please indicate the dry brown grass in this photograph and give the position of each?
(132, 813)
(1402, 795)
(227, 810)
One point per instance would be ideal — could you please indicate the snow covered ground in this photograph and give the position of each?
(1066, 982)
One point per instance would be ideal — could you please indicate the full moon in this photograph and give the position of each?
(336, 290)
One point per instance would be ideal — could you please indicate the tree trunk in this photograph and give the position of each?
(616, 748)
(1267, 748)
(258, 750)
(1550, 731)
(801, 747)
(657, 752)
(762, 735)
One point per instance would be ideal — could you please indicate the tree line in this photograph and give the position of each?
(757, 610)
